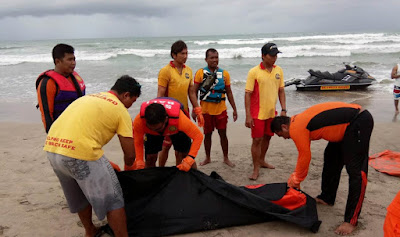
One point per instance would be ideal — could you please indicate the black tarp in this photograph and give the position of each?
(166, 201)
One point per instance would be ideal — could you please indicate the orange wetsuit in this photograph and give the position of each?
(321, 121)
(348, 130)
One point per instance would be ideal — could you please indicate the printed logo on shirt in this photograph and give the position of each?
(99, 95)
(172, 128)
(60, 142)
(187, 75)
(277, 76)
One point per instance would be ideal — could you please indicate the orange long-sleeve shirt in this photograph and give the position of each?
(184, 125)
(323, 121)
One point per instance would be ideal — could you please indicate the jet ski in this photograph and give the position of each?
(348, 78)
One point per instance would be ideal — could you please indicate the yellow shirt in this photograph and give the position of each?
(177, 84)
(264, 87)
(87, 125)
(212, 108)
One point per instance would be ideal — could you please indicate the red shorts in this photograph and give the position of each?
(261, 127)
(215, 121)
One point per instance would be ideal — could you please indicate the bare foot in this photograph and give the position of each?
(254, 176)
(320, 201)
(229, 163)
(345, 228)
(267, 165)
(204, 162)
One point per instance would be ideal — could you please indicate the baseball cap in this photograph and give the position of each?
(270, 48)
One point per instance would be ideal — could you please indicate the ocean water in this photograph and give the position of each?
(101, 61)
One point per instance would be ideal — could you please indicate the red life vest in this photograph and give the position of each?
(172, 108)
(67, 92)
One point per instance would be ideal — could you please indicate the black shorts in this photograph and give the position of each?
(153, 143)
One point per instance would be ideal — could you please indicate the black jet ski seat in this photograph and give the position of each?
(319, 74)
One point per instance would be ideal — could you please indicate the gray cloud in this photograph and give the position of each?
(48, 8)
(45, 19)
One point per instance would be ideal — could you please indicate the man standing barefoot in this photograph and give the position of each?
(263, 87)
(213, 83)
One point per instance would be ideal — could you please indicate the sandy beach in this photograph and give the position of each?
(33, 203)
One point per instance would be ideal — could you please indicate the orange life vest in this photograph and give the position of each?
(67, 93)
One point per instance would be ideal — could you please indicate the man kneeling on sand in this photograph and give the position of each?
(162, 117)
(348, 129)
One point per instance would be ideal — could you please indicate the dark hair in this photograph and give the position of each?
(276, 124)
(60, 50)
(155, 114)
(127, 84)
(212, 50)
(177, 47)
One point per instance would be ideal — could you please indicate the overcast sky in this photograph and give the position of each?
(54, 19)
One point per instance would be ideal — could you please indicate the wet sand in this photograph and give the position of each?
(33, 203)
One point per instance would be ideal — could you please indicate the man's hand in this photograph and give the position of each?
(127, 167)
(293, 182)
(194, 115)
(235, 116)
(249, 122)
(138, 165)
(199, 114)
(186, 164)
(115, 166)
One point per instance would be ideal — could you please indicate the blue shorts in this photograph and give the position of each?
(88, 182)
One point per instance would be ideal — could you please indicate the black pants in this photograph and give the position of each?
(153, 143)
(351, 152)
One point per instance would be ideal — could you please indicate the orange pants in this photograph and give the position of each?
(391, 227)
